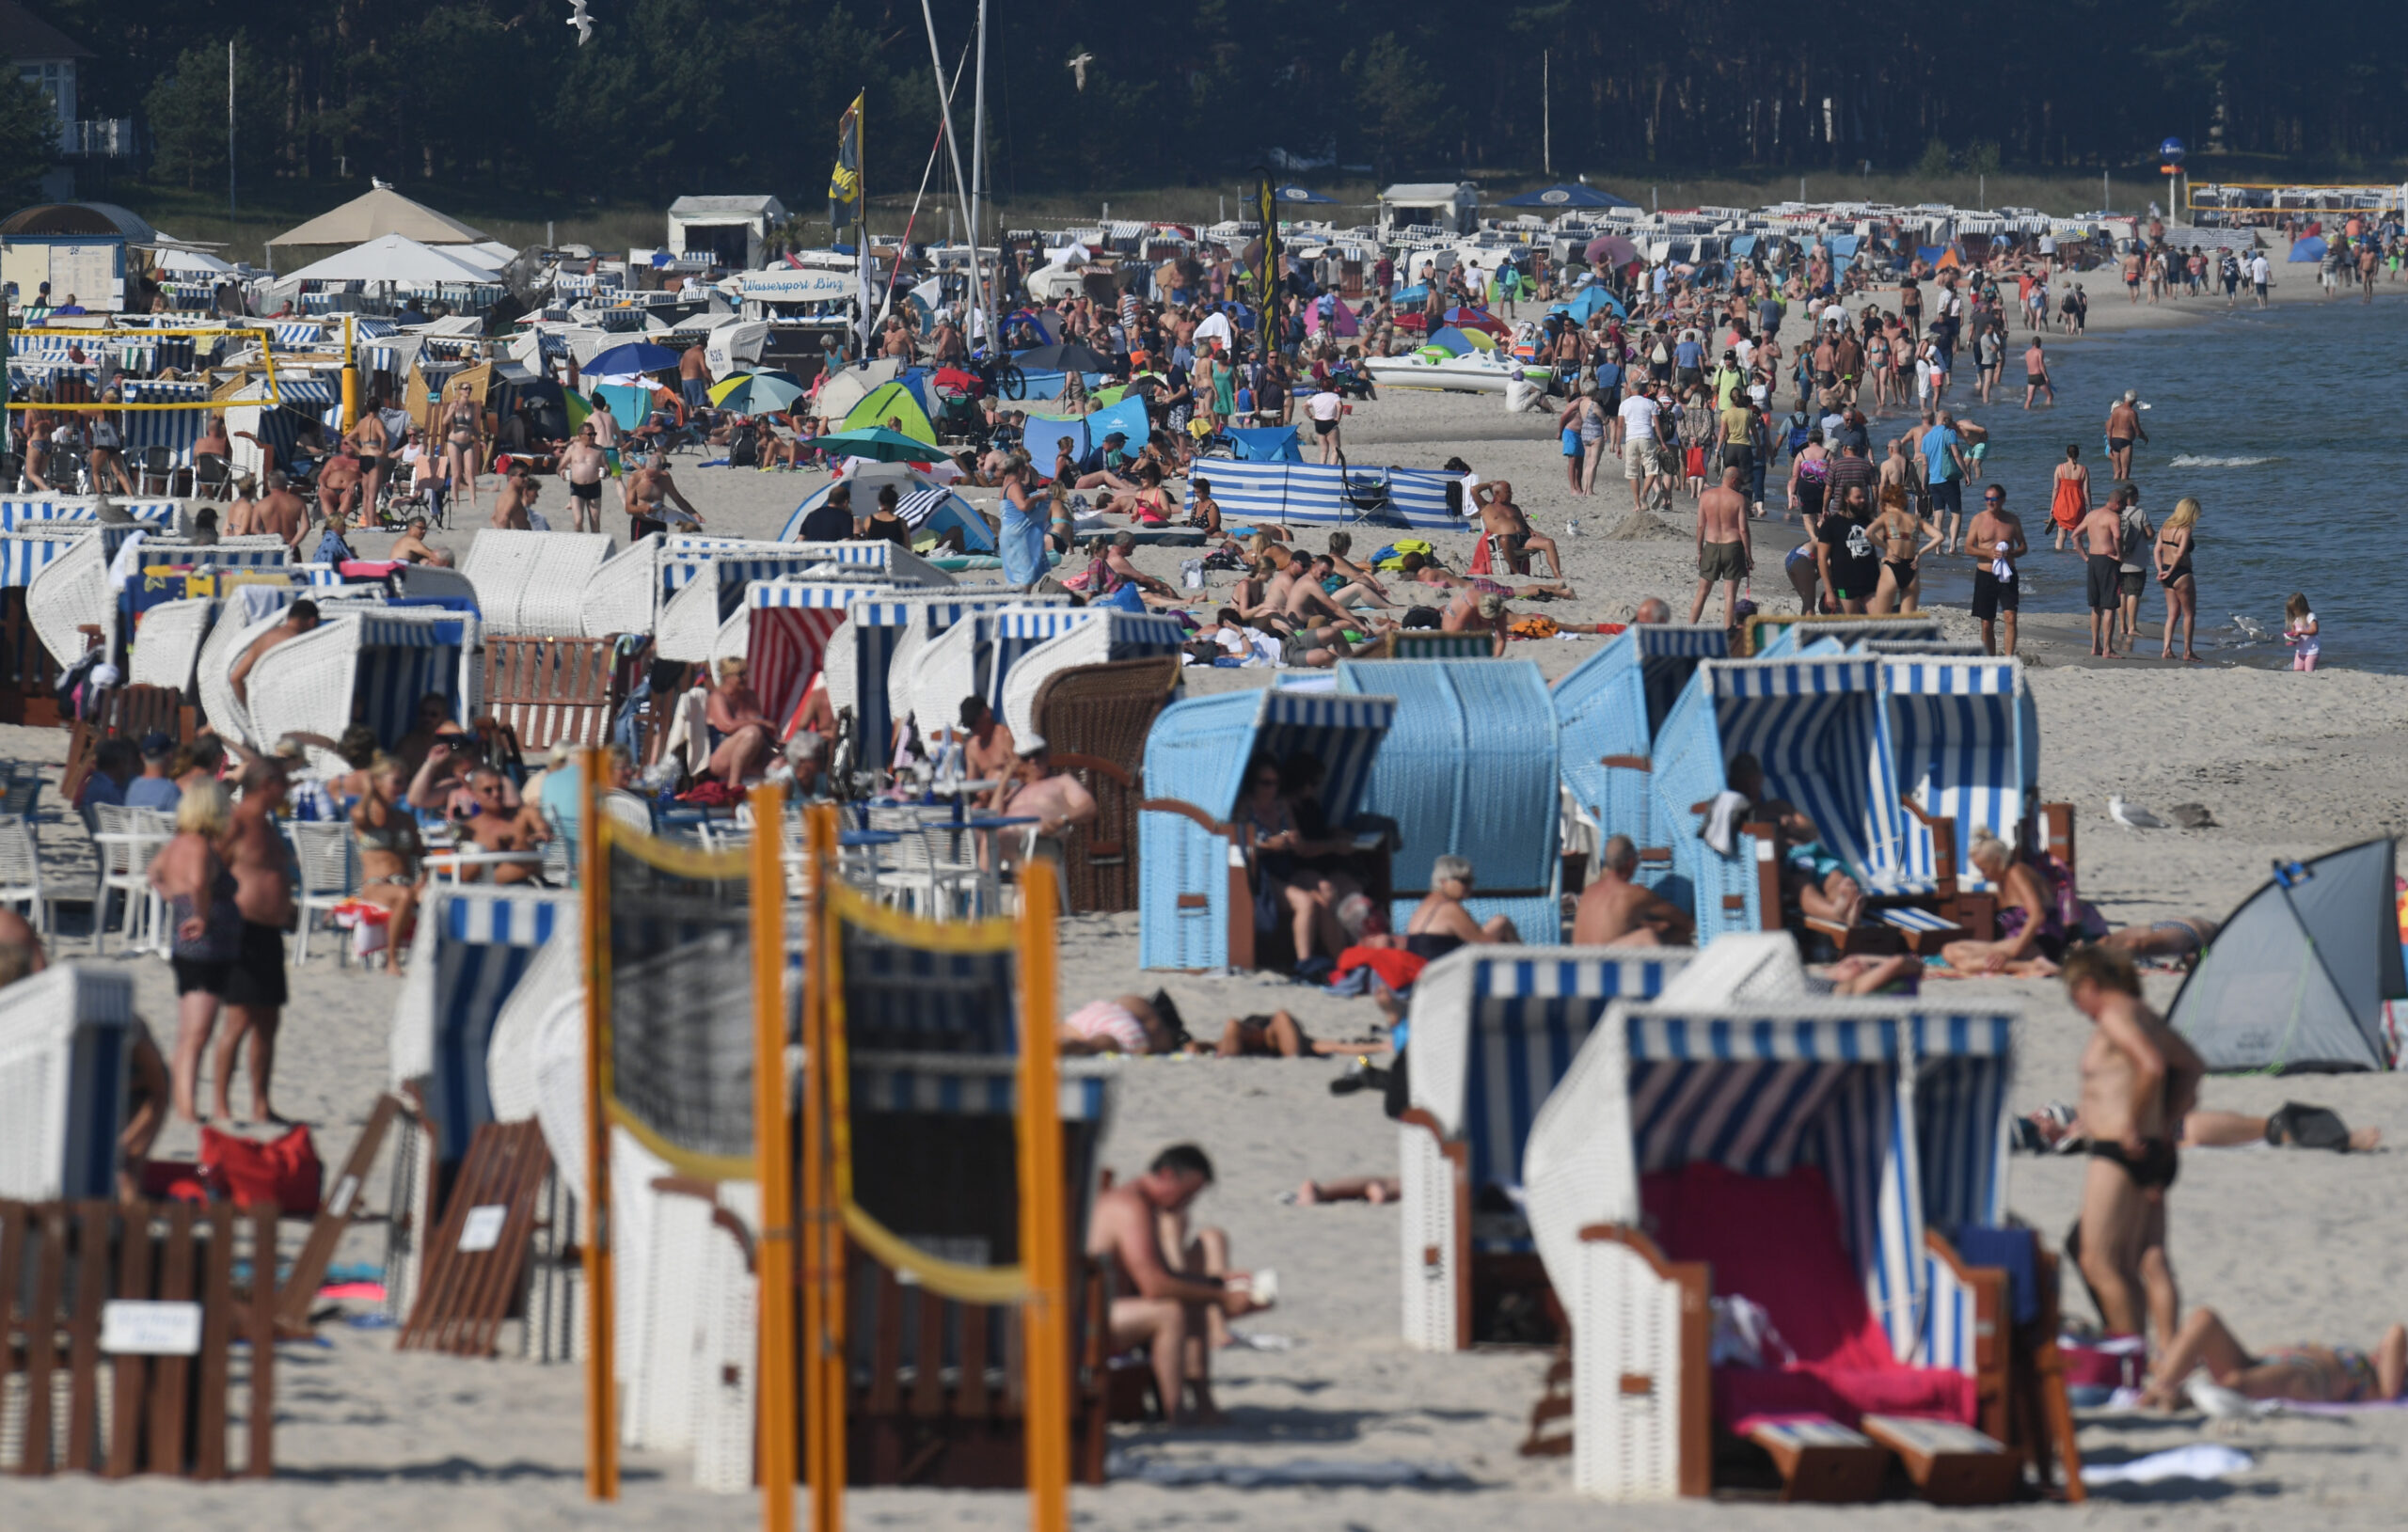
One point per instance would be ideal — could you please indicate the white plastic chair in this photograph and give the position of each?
(21, 871)
(123, 842)
(322, 854)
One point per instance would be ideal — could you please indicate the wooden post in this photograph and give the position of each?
(823, 1251)
(601, 1380)
(772, 1151)
(1044, 1254)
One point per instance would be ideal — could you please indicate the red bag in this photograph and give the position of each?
(1697, 463)
(284, 1172)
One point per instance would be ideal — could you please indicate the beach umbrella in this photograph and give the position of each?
(753, 393)
(1611, 251)
(874, 442)
(1476, 319)
(636, 357)
(1066, 357)
(2307, 251)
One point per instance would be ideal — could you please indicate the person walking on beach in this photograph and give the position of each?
(1941, 453)
(2132, 568)
(254, 987)
(2123, 428)
(2260, 272)
(1179, 1303)
(2101, 532)
(2035, 374)
(1995, 541)
(1844, 551)
(2139, 1078)
(2070, 498)
(2176, 542)
(1722, 551)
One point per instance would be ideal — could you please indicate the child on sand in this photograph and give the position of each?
(2300, 631)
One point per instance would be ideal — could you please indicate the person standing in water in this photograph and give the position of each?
(2070, 500)
(1995, 541)
(2176, 542)
(2123, 428)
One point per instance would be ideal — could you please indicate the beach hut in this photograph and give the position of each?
(1815, 1156)
(1033, 644)
(534, 582)
(65, 1036)
(1609, 707)
(1196, 906)
(927, 687)
(1491, 1031)
(1332, 494)
(1470, 769)
(369, 666)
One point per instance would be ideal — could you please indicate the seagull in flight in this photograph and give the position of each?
(2131, 815)
(582, 20)
(1079, 63)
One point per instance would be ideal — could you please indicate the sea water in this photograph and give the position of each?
(2283, 423)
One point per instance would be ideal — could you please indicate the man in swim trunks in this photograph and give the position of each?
(2035, 374)
(1511, 539)
(1994, 540)
(649, 489)
(1722, 551)
(2103, 537)
(2123, 428)
(2139, 1078)
(583, 467)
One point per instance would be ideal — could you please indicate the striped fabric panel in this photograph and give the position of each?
(307, 391)
(1954, 728)
(175, 430)
(834, 596)
(14, 514)
(1815, 725)
(1014, 631)
(917, 507)
(1520, 1048)
(297, 335)
(1961, 1135)
(917, 1000)
(1325, 494)
(938, 1088)
(1341, 732)
(486, 943)
(786, 648)
(21, 557)
(1914, 920)
(874, 646)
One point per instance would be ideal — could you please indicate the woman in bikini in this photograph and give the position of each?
(1809, 475)
(461, 419)
(2309, 1373)
(1277, 843)
(2070, 500)
(392, 872)
(2176, 542)
(1903, 538)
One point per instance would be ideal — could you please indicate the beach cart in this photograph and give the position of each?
(1490, 1032)
(1609, 707)
(1196, 909)
(1813, 1155)
(66, 1036)
(534, 582)
(369, 666)
(1470, 769)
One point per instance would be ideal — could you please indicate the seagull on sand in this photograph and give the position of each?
(2131, 815)
(1079, 63)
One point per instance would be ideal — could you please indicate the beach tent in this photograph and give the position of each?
(1267, 443)
(1455, 342)
(391, 258)
(892, 401)
(2307, 251)
(1566, 194)
(1589, 302)
(1342, 320)
(840, 391)
(377, 212)
(2297, 977)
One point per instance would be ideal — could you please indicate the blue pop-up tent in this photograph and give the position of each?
(1268, 444)
(2309, 250)
(1589, 302)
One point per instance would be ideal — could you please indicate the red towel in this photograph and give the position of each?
(1395, 966)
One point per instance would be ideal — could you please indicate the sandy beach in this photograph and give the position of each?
(2288, 1245)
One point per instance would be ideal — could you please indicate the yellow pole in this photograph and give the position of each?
(601, 1383)
(773, 1149)
(350, 378)
(823, 1248)
(1043, 1250)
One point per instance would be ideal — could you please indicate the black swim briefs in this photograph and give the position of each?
(2153, 1170)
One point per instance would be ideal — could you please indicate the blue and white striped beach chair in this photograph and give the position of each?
(1964, 741)
(1609, 707)
(65, 1036)
(1491, 1031)
(932, 672)
(1771, 635)
(1471, 769)
(368, 666)
(1900, 1107)
(1196, 907)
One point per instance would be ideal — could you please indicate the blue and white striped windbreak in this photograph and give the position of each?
(484, 942)
(14, 514)
(1954, 728)
(1325, 494)
(401, 660)
(175, 430)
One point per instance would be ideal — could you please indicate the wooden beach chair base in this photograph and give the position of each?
(1821, 1461)
(1922, 932)
(1950, 1464)
(335, 1215)
(1554, 1404)
(1872, 940)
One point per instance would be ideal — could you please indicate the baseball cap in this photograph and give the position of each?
(157, 745)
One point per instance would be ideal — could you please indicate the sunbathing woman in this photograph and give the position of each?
(2031, 931)
(2312, 1374)
(391, 871)
(1275, 842)
(1819, 882)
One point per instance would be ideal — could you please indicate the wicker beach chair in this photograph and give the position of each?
(1828, 1140)
(1493, 1030)
(369, 666)
(928, 615)
(782, 631)
(1095, 719)
(551, 690)
(168, 648)
(1964, 742)
(708, 591)
(1610, 707)
(1470, 768)
(1107, 634)
(533, 582)
(71, 589)
(65, 1039)
(1770, 634)
(1196, 906)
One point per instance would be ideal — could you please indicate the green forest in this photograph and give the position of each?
(677, 96)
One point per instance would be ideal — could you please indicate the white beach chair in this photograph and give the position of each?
(65, 1036)
(21, 871)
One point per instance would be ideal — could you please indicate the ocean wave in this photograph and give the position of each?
(2187, 461)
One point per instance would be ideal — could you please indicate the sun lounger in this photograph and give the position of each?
(66, 1034)
(1094, 718)
(1492, 1029)
(1803, 1154)
(1196, 900)
(1470, 768)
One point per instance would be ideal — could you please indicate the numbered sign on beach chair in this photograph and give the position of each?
(1197, 907)
(1774, 1152)
(1610, 707)
(65, 1036)
(1492, 1030)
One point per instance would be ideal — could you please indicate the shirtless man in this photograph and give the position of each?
(695, 378)
(1307, 595)
(495, 824)
(583, 467)
(2101, 534)
(412, 547)
(649, 490)
(1722, 550)
(987, 753)
(1617, 912)
(2123, 428)
(281, 513)
(299, 617)
(517, 499)
(2139, 1079)
(1175, 1309)
(1994, 540)
(748, 737)
(339, 480)
(1510, 541)
(2035, 374)
(1903, 538)
(255, 990)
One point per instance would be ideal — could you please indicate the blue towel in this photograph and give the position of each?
(1022, 545)
(2016, 1251)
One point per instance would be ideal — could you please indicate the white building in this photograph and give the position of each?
(731, 230)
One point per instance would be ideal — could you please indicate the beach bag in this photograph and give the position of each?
(1696, 465)
(2307, 1126)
